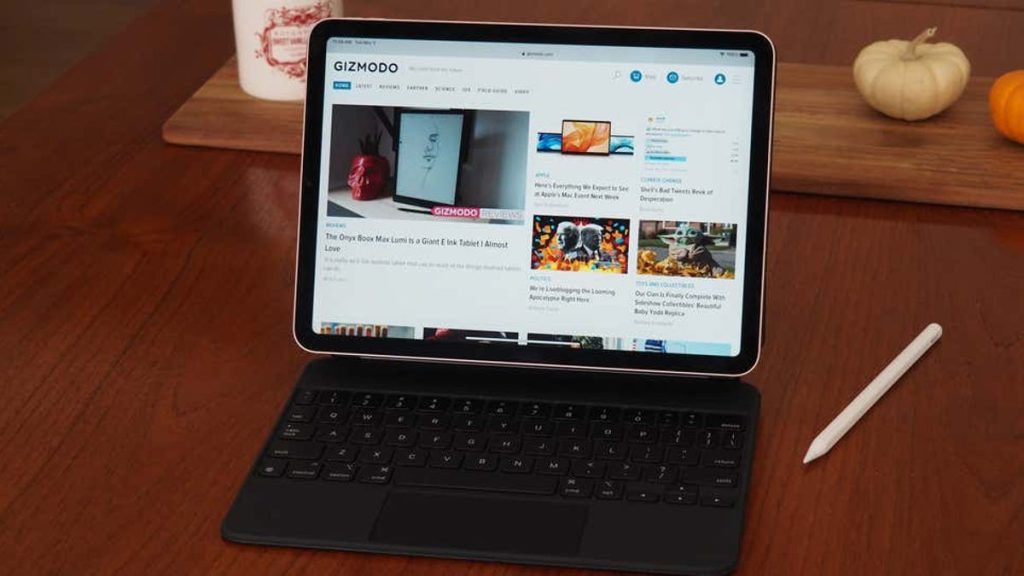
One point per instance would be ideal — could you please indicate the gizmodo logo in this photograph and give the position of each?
(353, 66)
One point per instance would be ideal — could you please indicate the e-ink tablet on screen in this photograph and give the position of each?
(430, 148)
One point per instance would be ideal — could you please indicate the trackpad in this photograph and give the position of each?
(480, 523)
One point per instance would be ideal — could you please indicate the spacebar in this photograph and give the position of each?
(466, 480)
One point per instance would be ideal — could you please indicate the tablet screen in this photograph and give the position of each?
(554, 196)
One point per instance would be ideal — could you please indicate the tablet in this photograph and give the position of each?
(577, 197)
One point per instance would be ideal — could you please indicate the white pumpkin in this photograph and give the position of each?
(911, 80)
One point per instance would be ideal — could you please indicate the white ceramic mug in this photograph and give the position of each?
(271, 38)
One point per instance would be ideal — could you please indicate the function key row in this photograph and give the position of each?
(570, 412)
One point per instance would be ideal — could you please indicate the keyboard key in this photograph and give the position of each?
(724, 421)
(459, 479)
(732, 440)
(684, 456)
(300, 414)
(445, 459)
(503, 425)
(538, 446)
(433, 404)
(470, 441)
(341, 454)
(504, 444)
(609, 450)
(502, 408)
(553, 465)
(411, 457)
(682, 498)
(400, 437)
(400, 402)
(571, 429)
(467, 406)
(331, 398)
(295, 450)
(660, 473)
(576, 487)
(366, 436)
(304, 470)
(482, 462)
(569, 412)
(339, 472)
(331, 433)
(516, 464)
(608, 490)
(588, 469)
(296, 432)
(707, 439)
(720, 458)
(642, 494)
(367, 400)
(331, 415)
(399, 420)
(272, 467)
(692, 419)
(709, 477)
(645, 417)
(603, 431)
(604, 414)
(668, 419)
(643, 434)
(434, 422)
(536, 427)
(303, 397)
(623, 471)
(717, 498)
(380, 474)
(365, 417)
(681, 488)
(678, 436)
(436, 440)
(536, 410)
(467, 423)
(574, 448)
(648, 454)
(375, 455)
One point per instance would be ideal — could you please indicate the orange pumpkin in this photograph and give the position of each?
(1006, 103)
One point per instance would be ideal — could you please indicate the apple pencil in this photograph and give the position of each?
(875, 390)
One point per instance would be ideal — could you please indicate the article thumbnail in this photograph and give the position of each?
(585, 137)
(569, 341)
(366, 330)
(692, 249)
(479, 336)
(580, 244)
(422, 164)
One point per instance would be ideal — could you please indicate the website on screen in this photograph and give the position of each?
(519, 194)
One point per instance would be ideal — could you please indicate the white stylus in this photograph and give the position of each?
(875, 390)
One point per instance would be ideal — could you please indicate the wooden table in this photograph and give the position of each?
(145, 305)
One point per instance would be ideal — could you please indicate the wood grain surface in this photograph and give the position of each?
(145, 348)
(826, 139)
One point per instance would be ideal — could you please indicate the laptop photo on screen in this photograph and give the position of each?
(535, 327)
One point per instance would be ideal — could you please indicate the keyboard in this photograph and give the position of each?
(571, 451)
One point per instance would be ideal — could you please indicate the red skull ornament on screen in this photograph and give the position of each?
(370, 170)
(368, 176)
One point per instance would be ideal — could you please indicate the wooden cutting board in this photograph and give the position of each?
(826, 141)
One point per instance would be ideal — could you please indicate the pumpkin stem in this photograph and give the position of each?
(911, 52)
